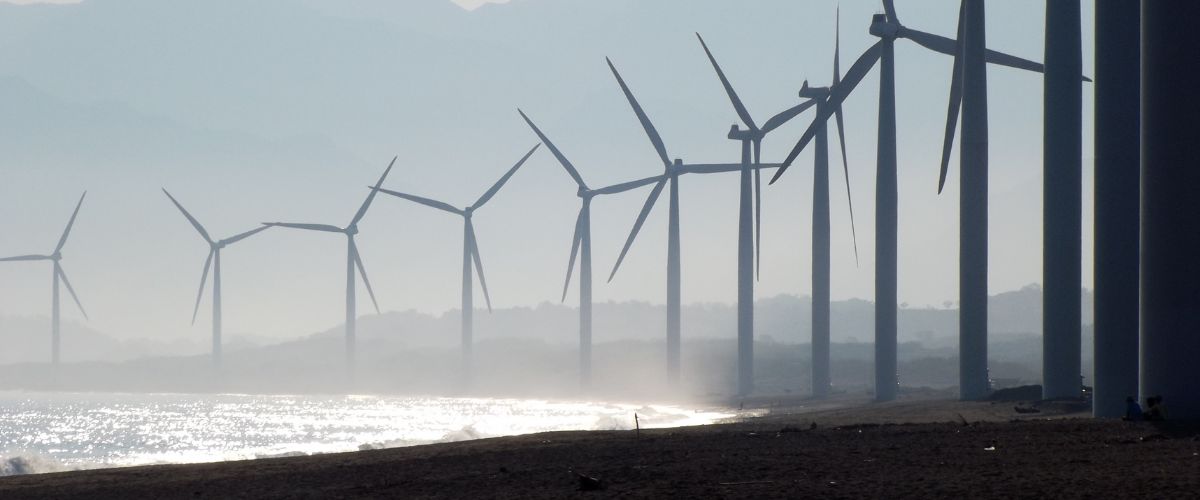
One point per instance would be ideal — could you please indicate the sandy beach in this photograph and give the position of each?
(840, 449)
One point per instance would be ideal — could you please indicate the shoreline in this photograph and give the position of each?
(916, 447)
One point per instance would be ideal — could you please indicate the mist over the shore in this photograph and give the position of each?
(531, 352)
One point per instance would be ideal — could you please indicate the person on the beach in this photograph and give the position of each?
(1156, 410)
(1133, 410)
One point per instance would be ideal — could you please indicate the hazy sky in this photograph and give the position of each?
(467, 4)
(281, 110)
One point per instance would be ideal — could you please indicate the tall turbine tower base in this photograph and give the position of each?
(1170, 229)
(1117, 144)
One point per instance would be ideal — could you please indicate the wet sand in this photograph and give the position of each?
(856, 450)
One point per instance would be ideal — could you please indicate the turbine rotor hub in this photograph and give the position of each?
(883, 28)
(352, 230)
(676, 168)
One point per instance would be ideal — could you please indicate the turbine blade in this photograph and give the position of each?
(479, 269)
(837, 44)
(203, 281)
(70, 289)
(575, 241)
(994, 57)
(655, 139)
(507, 175)
(786, 115)
(936, 43)
(733, 97)
(247, 234)
(718, 168)
(952, 110)
(562, 159)
(67, 232)
(890, 10)
(362, 210)
(195, 223)
(841, 130)
(362, 271)
(311, 227)
(637, 226)
(626, 186)
(757, 214)
(25, 258)
(941, 44)
(424, 201)
(841, 124)
(837, 95)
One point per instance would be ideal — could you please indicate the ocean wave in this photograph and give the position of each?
(31, 463)
(466, 433)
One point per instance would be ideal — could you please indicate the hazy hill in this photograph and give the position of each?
(782, 319)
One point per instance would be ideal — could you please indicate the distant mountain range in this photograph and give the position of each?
(782, 319)
(531, 352)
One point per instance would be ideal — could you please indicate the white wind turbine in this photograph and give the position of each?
(60, 276)
(581, 246)
(353, 262)
(214, 262)
(470, 252)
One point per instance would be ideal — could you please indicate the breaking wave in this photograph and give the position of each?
(20, 464)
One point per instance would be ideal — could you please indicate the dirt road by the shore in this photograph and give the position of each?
(980, 450)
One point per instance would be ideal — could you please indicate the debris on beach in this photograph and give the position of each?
(589, 483)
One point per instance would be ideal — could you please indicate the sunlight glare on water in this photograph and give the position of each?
(43, 432)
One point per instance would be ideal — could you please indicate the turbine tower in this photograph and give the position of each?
(1170, 234)
(213, 261)
(888, 28)
(353, 263)
(1118, 168)
(968, 92)
(60, 276)
(751, 138)
(581, 247)
(1062, 206)
(470, 253)
(671, 173)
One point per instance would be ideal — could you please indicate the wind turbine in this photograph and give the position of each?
(968, 92)
(470, 251)
(752, 139)
(973, 314)
(353, 263)
(213, 260)
(581, 246)
(59, 276)
(671, 173)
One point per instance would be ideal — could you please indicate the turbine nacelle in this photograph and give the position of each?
(676, 167)
(352, 230)
(56, 256)
(882, 27)
(739, 134)
(817, 93)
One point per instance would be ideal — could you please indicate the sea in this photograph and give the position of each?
(51, 432)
